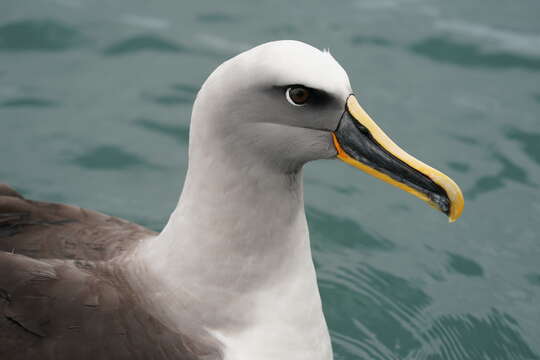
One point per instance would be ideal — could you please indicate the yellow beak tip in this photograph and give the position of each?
(457, 204)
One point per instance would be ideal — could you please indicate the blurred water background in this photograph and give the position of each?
(95, 100)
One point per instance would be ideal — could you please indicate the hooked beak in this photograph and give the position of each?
(362, 144)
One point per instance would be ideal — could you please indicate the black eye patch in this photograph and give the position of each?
(316, 98)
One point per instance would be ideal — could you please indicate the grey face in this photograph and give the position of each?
(254, 91)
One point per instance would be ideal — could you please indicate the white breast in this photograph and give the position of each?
(287, 324)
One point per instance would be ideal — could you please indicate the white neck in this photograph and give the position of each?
(235, 260)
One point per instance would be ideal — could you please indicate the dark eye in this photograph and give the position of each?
(297, 95)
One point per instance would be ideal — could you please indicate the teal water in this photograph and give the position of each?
(95, 102)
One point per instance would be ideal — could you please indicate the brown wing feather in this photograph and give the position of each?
(56, 231)
(59, 297)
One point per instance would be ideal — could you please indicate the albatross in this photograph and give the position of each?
(231, 275)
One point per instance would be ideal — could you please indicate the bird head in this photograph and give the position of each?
(286, 103)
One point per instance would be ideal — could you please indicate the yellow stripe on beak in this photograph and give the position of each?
(394, 165)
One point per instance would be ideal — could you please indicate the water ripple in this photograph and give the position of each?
(389, 317)
(39, 35)
(144, 42)
(471, 337)
(529, 141)
(169, 99)
(217, 17)
(505, 39)
(509, 171)
(533, 279)
(109, 157)
(463, 265)
(446, 50)
(186, 88)
(28, 102)
(183, 94)
(344, 232)
(370, 40)
(177, 132)
(459, 166)
(382, 309)
(145, 21)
